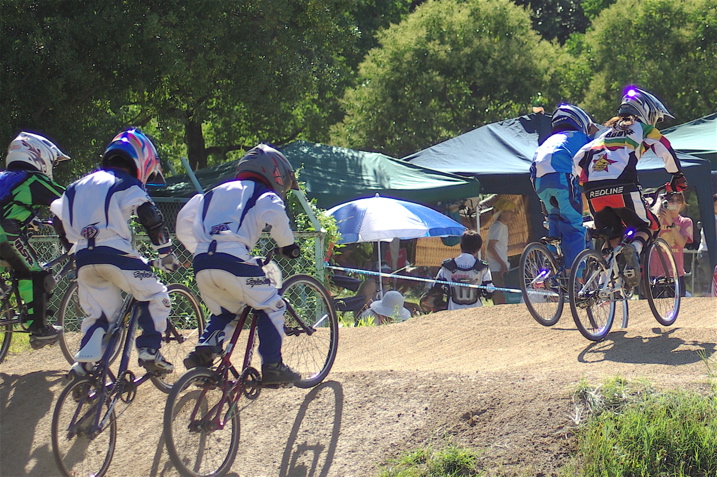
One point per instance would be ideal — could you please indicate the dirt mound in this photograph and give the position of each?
(489, 378)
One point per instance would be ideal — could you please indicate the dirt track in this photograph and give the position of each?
(490, 378)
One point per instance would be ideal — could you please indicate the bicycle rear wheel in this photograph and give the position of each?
(5, 330)
(78, 449)
(70, 316)
(185, 324)
(539, 282)
(312, 329)
(593, 311)
(201, 427)
(661, 282)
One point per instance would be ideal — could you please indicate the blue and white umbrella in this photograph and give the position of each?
(381, 218)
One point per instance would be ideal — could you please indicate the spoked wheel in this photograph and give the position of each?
(312, 329)
(540, 284)
(661, 283)
(185, 324)
(201, 428)
(5, 338)
(70, 316)
(593, 310)
(79, 448)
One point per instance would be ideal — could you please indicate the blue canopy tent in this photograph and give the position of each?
(499, 155)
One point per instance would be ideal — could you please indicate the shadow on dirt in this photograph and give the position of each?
(311, 445)
(24, 401)
(663, 348)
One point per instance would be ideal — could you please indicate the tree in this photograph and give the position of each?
(203, 78)
(450, 66)
(666, 47)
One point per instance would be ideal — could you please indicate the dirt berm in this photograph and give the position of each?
(490, 378)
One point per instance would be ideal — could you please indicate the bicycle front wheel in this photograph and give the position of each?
(593, 308)
(201, 426)
(79, 448)
(540, 284)
(185, 325)
(312, 329)
(661, 282)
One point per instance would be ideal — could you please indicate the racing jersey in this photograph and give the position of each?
(231, 218)
(556, 153)
(20, 190)
(611, 159)
(98, 207)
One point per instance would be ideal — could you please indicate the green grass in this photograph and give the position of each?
(450, 462)
(20, 343)
(630, 429)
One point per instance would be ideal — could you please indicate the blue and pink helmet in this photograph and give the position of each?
(135, 150)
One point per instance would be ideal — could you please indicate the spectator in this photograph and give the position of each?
(675, 229)
(466, 268)
(389, 309)
(703, 258)
(497, 249)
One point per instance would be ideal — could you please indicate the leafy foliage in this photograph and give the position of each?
(450, 66)
(667, 47)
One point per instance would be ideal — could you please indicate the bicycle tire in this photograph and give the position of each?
(545, 307)
(661, 282)
(75, 453)
(311, 354)
(185, 325)
(6, 331)
(592, 313)
(70, 317)
(5, 339)
(192, 439)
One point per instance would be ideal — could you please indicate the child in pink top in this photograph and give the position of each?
(675, 229)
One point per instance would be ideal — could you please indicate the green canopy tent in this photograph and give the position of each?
(698, 138)
(334, 175)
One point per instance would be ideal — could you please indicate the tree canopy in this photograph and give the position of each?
(449, 67)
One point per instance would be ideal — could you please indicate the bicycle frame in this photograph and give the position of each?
(116, 386)
(13, 292)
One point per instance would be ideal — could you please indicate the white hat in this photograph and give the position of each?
(391, 305)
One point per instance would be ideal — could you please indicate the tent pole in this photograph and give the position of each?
(191, 175)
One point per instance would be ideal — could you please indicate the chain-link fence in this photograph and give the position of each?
(310, 262)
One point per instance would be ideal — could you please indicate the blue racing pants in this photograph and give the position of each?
(560, 193)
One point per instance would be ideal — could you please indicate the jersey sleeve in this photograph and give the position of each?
(275, 215)
(662, 147)
(186, 218)
(44, 190)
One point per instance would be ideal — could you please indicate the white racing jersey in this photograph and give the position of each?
(234, 215)
(612, 157)
(99, 207)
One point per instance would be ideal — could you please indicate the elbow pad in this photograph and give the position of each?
(152, 220)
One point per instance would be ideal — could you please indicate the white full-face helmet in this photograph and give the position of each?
(644, 106)
(35, 150)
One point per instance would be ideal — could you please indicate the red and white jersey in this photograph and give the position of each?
(612, 157)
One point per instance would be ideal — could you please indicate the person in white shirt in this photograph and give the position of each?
(497, 249)
(93, 214)
(221, 228)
